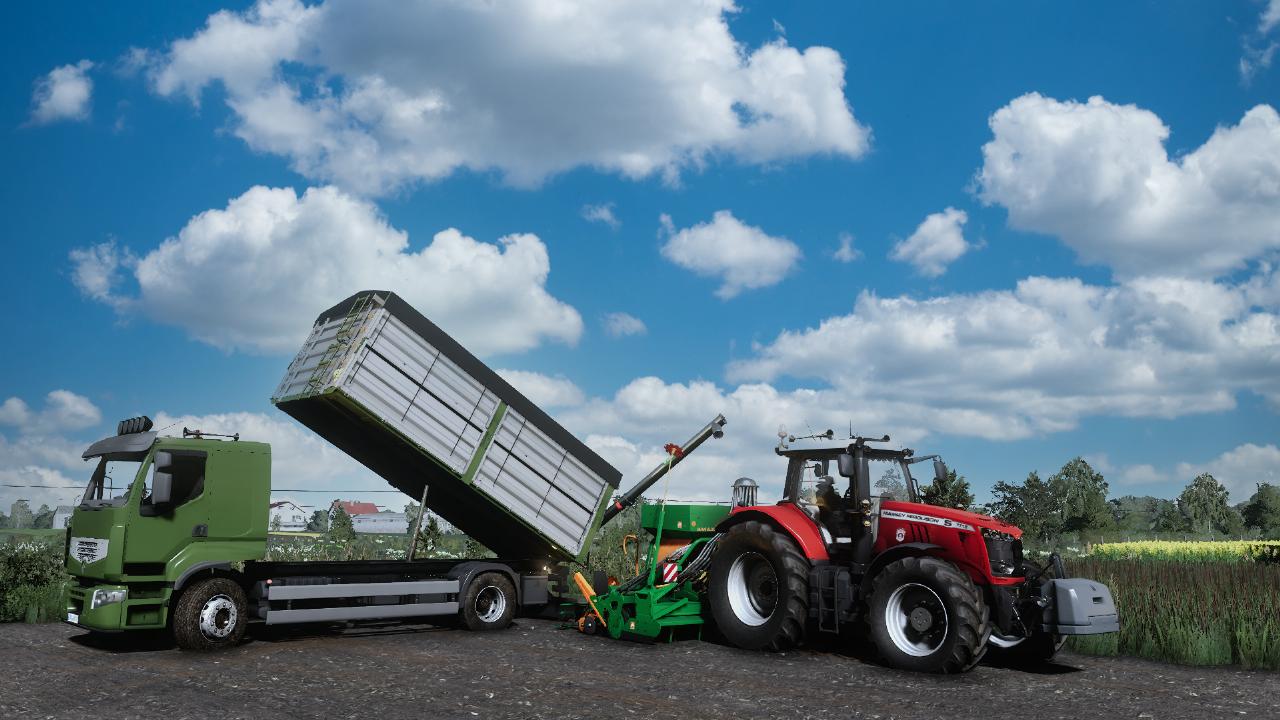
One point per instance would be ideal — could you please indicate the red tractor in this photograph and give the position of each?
(935, 588)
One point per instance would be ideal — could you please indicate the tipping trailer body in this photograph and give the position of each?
(398, 394)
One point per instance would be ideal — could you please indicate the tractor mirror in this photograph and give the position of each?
(939, 470)
(846, 465)
(161, 488)
(822, 469)
(164, 460)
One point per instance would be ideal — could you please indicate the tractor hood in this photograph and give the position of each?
(977, 520)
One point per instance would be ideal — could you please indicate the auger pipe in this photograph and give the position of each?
(712, 429)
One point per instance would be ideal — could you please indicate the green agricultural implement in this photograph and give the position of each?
(663, 602)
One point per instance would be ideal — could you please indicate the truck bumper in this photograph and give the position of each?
(1078, 606)
(106, 617)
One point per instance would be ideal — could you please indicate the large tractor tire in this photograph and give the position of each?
(210, 615)
(759, 588)
(489, 602)
(1019, 653)
(926, 615)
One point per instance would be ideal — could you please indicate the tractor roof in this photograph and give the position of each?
(872, 453)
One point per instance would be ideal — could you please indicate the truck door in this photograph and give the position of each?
(160, 531)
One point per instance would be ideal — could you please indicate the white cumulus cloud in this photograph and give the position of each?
(744, 257)
(1098, 176)
(846, 252)
(380, 93)
(63, 410)
(544, 390)
(620, 324)
(1038, 358)
(936, 243)
(602, 213)
(63, 94)
(255, 274)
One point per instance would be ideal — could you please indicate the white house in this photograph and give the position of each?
(380, 523)
(61, 517)
(291, 516)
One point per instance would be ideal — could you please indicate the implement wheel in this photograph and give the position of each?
(926, 615)
(759, 588)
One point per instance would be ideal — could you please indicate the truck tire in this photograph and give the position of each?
(926, 615)
(759, 588)
(210, 614)
(1020, 653)
(489, 602)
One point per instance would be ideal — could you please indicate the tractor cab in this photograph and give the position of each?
(841, 490)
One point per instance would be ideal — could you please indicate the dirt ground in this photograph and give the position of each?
(537, 670)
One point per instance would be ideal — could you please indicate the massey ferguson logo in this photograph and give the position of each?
(917, 517)
(901, 534)
(88, 550)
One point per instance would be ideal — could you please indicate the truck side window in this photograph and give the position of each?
(188, 480)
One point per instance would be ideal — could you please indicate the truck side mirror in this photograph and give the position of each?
(846, 464)
(939, 470)
(164, 460)
(161, 487)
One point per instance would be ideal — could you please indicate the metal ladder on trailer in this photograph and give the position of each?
(348, 331)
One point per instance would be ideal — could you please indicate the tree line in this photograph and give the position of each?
(22, 517)
(1075, 500)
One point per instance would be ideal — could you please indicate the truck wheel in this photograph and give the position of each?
(489, 602)
(1024, 652)
(210, 615)
(759, 588)
(927, 616)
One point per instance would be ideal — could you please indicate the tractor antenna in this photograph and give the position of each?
(200, 434)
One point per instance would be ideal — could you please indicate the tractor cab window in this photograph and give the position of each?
(887, 480)
(821, 487)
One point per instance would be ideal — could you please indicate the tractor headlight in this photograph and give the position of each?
(107, 597)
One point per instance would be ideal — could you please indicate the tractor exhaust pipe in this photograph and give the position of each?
(715, 428)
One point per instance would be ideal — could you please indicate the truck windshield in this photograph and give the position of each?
(109, 485)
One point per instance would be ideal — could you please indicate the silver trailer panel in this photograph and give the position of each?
(376, 377)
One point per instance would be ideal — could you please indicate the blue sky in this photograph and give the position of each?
(1029, 274)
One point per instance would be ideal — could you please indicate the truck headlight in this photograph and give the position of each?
(107, 597)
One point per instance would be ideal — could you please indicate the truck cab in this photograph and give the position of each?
(156, 513)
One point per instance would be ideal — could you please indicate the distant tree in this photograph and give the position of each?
(891, 485)
(20, 515)
(4, 520)
(276, 524)
(43, 517)
(1167, 518)
(430, 535)
(1031, 506)
(1082, 495)
(471, 548)
(1262, 510)
(951, 491)
(340, 529)
(411, 515)
(1204, 504)
(319, 521)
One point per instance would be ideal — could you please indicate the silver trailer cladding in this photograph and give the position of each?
(393, 390)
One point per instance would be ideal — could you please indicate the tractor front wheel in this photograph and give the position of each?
(926, 615)
(759, 588)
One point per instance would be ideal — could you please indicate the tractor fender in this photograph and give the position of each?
(789, 519)
(464, 572)
(893, 554)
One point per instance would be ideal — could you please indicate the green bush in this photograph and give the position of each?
(33, 582)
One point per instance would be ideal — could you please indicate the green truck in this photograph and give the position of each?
(172, 530)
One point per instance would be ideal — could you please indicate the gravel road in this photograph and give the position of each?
(536, 670)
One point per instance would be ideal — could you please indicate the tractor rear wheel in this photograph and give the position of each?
(926, 615)
(759, 588)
